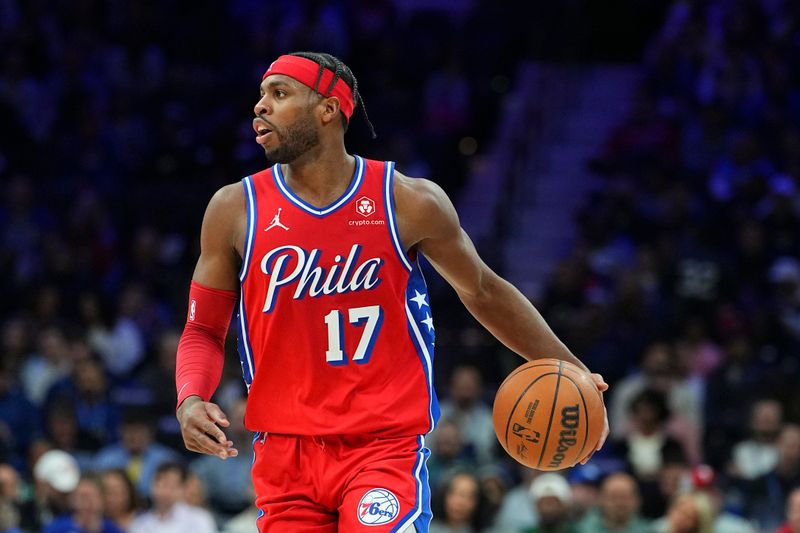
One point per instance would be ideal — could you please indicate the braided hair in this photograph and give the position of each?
(340, 71)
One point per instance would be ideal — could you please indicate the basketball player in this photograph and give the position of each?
(318, 254)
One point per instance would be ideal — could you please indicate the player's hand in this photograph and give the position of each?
(200, 427)
(602, 386)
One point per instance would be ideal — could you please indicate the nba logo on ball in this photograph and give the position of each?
(378, 506)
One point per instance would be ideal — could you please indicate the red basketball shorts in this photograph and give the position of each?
(341, 484)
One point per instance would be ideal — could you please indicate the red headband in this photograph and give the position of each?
(306, 72)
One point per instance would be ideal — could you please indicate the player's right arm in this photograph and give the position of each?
(214, 290)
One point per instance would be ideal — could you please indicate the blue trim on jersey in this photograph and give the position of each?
(252, 215)
(245, 349)
(388, 201)
(287, 192)
(422, 336)
(420, 515)
(261, 512)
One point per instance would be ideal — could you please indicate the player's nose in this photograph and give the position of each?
(261, 107)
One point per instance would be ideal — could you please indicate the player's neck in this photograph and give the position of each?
(321, 175)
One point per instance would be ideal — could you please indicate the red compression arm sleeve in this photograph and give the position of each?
(201, 350)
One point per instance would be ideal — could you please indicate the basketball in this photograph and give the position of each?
(548, 414)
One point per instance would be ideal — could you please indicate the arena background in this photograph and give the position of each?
(631, 166)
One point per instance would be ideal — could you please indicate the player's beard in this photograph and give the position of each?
(295, 140)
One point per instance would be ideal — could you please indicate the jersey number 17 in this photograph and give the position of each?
(370, 318)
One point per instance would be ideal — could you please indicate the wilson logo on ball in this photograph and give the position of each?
(570, 419)
(365, 206)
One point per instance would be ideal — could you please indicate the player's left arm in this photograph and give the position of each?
(428, 222)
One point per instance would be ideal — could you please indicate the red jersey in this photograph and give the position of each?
(335, 329)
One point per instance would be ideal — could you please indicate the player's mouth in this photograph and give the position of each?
(263, 130)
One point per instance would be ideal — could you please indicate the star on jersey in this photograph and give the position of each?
(419, 299)
(428, 321)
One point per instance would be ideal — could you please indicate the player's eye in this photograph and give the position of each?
(279, 93)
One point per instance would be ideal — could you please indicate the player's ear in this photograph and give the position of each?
(330, 109)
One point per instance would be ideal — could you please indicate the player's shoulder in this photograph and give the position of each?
(417, 193)
(231, 196)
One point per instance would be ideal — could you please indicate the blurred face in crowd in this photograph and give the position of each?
(62, 427)
(194, 491)
(461, 499)
(584, 498)
(645, 416)
(87, 499)
(793, 511)
(789, 449)
(52, 344)
(683, 516)
(167, 490)
(9, 483)
(551, 510)
(136, 437)
(90, 379)
(766, 420)
(657, 366)
(672, 479)
(619, 499)
(465, 386)
(116, 494)
(448, 440)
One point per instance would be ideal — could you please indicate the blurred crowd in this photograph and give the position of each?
(683, 290)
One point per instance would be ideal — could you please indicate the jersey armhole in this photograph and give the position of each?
(388, 201)
(252, 215)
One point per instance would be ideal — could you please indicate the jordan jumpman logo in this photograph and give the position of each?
(276, 221)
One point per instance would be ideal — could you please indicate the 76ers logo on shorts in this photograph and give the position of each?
(378, 506)
(365, 206)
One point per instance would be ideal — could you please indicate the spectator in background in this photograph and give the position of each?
(448, 455)
(516, 512)
(169, 513)
(460, 506)
(551, 495)
(119, 498)
(758, 455)
(689, 513)
(647, 444)
(86, 390)
(56, 474)
(705, 481)
(466, 409)
(86, 516)
(18, 417)
(157, 384)
(62, 432)
(228, 483)
(9, 518)
(47, 365)
(619, 508)
(585, 483)
(658, 372)
(792, 524)
(9, 500)
(136, 452)
(764, 499)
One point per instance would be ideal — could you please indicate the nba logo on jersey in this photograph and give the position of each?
(378, 506)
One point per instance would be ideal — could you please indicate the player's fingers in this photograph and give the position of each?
(216, 414)
(211, 429)
(204, 443)
(602, 386)
(604, 436)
